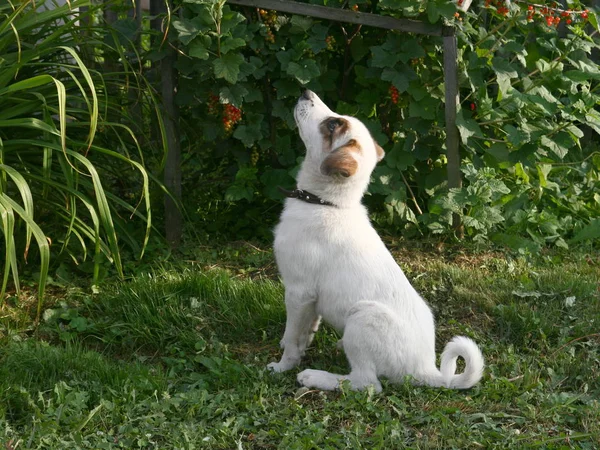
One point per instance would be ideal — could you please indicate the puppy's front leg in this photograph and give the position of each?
(301, 323)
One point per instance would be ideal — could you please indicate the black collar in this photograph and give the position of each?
(305, 196)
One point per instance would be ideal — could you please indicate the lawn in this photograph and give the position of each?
(175, 359)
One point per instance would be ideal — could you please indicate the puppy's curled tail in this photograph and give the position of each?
(465, 347)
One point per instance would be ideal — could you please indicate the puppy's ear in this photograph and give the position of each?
(341, 161)
(380, 152)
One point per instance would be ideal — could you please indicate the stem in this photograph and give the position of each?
(412, 195)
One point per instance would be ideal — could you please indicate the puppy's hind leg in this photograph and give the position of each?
(363, 344)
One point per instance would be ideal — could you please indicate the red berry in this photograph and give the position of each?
(473, 106)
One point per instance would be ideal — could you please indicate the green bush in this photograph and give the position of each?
(528, 95)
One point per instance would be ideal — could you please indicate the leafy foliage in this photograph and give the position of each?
(59, 146)
(528, 97)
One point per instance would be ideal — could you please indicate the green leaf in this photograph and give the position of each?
(272, 178)
(228, 67)
(300, 24)
(427, 108)
(286, 88)
(243, 186)
(589, 232)
(504, 85)
(446, 8)
(502, 66)
(555, 146)
(593, 20)
(520, 173)
(318, 34)
(284, 112)
(230, 19)
(397, 201)
(199, 48)
(499, 151)
(237, 192)
(467, 127)
(305, 71)
(233, 94)
(399, 79)
(231, 43)
(382, 58)
(433, 13)
(516, 136)
(358, 48)
(284, 57)
(187, 30)
(398, 158)
(248, 134)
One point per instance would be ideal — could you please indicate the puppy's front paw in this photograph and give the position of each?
(276, 367)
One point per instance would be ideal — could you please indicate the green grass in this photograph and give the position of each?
(176, 359)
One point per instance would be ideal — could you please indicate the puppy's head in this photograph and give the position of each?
(341, 145)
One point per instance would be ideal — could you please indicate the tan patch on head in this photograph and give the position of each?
(331, 129)
(341, 161)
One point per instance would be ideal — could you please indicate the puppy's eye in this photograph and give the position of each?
(333, 124)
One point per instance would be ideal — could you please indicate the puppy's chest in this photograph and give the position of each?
(321, 244)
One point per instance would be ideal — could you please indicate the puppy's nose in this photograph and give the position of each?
(307, 94)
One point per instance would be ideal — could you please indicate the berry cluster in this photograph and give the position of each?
(330, 41)
(416, 61)
(551, 14)
(213, 105)
(501, 6)
(254, 155)
(393, 91)
(269, 18)
(231, 116)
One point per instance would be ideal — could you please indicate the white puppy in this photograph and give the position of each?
(335, 266)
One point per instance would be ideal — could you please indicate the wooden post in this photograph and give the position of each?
(452, 101)
(134, 95)
(172, 171)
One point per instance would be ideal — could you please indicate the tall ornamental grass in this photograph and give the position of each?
(64, 137)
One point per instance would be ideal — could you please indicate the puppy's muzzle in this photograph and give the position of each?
(307, 95)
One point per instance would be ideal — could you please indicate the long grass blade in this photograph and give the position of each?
(25, 192)
(91, 85)
(73, 221)
(43, 245)
(10, 260)
(103, 210)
